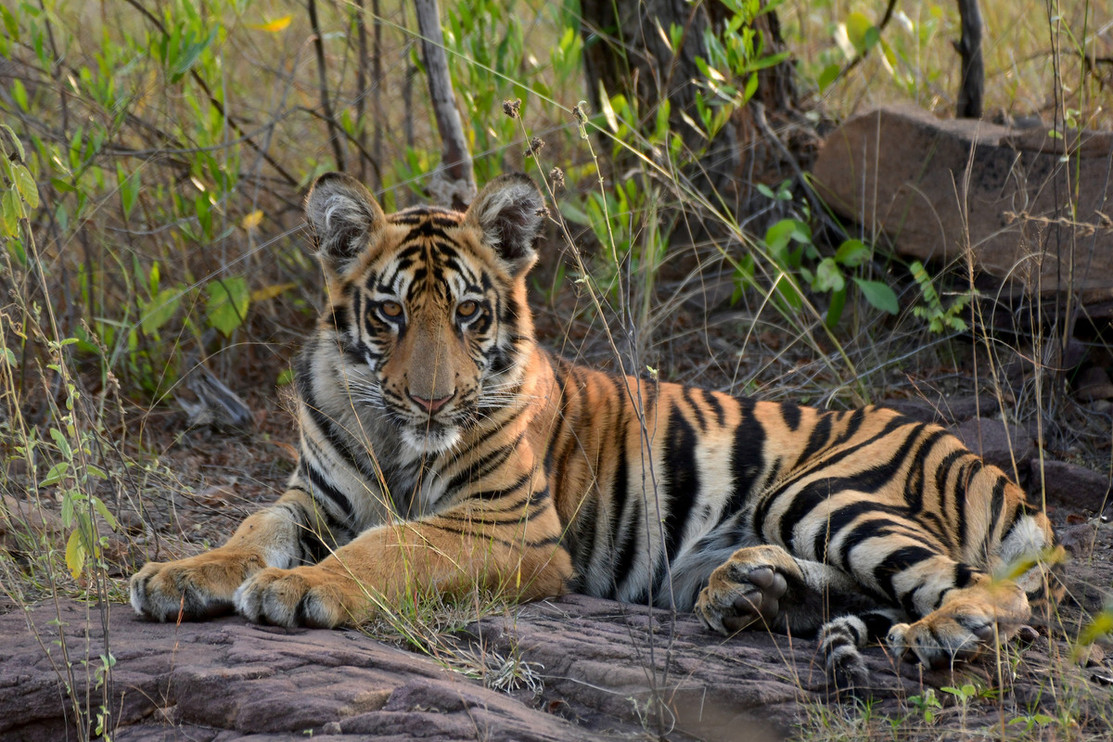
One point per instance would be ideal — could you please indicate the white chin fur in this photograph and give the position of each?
(431, 441)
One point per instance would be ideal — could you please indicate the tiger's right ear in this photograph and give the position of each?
(343, 215)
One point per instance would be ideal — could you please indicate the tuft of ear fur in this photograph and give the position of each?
(343, 215)
(510, 212)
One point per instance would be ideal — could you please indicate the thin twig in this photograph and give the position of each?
(322, 76)
(862, 54)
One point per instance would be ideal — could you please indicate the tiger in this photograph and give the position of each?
(442, 449)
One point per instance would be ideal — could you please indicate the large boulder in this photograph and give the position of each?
(935, 187)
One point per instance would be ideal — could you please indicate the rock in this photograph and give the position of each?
(602, 670)
(925, 182)
(23, 517)
(232, 676)
(996, 442)
(606, 669)
(944, 410)
(1070, 486)
(1093, 384)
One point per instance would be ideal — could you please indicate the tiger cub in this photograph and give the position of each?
(442, 449)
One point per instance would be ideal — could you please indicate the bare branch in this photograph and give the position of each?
(454, 182)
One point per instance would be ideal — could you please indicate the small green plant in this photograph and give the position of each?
(926, 705)
(789, 245)
(939, 318)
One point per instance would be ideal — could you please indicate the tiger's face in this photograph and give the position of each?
(428, 304)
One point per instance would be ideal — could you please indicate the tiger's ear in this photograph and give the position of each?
(343, 215)
(510, 212)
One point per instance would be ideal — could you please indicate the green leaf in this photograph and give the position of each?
(19, 94)
(62, 443)
(25, 184)
(852, 253)
(828, 277)
(129, 189)
(834, 311)
(102, 509)
(829, 74)
(11, 25)
(878, 294)
(780, 234)
(227, 302)
(15, 140)
(55, 475)
(160, 309)
(858, 27)
(189, 57)
(11, 210)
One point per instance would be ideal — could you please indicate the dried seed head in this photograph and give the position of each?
(512, 108)
(535, 146)
(556, 175)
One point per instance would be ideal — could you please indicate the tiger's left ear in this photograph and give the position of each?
(510, 212)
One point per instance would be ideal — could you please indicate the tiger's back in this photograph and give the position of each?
(440, 446)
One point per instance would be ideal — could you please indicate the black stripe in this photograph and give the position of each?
(689, 397)
(505, 491)
(477, 470)
(791, 415)
(516, 545)
(321, 486)
(818, 438)
(942, 474)
(747, 458)
(681, 478)
(896, 562)
(716, 406)
(815, 493)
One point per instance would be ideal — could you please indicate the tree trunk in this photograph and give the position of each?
(969, 48)
(628, 54)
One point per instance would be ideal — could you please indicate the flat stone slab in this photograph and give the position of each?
(928, 183)
(600, 670)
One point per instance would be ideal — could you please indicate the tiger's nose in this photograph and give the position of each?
(431, 405)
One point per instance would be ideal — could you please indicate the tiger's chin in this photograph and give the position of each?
(431, 439)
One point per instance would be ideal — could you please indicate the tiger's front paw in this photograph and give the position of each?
(303, 596)
(191, 589)
(747, 589)
(962, 627)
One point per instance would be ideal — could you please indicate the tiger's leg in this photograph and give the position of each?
(516, 553)
(768, 587)
(765, 586)
(202, 586)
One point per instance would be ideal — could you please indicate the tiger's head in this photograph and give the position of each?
(427, 305)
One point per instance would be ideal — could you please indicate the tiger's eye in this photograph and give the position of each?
(467, 308)
(391, 309)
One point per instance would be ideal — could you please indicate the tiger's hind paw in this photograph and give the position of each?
(840, 640)
(747, 589)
